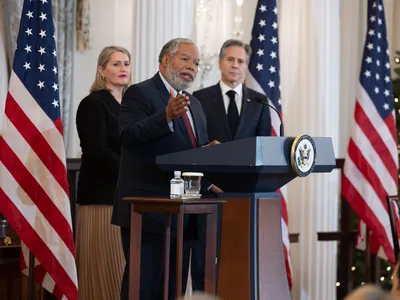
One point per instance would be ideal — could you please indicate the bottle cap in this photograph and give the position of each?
(177, 173)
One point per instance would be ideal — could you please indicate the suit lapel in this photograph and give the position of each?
(220, 112)
(164, 93)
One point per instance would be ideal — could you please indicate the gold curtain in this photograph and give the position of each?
(83, 25)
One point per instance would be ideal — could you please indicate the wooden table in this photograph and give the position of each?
(180, 207)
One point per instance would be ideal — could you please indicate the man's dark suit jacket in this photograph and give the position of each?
(97, 125)
(255, 118)
(144, 135)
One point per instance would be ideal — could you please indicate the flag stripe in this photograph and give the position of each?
(51, 187)
(39, 248)
(369, 213)
(288, 265)
(375, 141)
(44, 279)
(57, 292)
(49, 283)
(50, 130)
(376, 173)
(380, 125)
(371, 201)
(366, 203)
(40, 273)
(389, 121)
(285, 232)
(367, 172)
(36, 141)
(35, 193)
(284, 211)
(38, 223)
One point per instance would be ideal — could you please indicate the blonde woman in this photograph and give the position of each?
(100, 257)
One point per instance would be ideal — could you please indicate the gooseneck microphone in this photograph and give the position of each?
(262, 101)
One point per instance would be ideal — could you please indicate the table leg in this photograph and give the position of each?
(179, 251)
(167, 243)
(135, 252)
(211, 254)
(219, 230)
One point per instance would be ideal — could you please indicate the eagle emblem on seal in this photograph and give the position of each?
(303, 154)
(304, 158)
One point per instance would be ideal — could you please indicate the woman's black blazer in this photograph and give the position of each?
(97, 124)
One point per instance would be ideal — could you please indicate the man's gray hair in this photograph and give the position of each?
(237, 43)
(172, 46)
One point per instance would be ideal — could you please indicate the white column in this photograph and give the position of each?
(353, 30)
(310, 66)
(392, 10)
(155, 22)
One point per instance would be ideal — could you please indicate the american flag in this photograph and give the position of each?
(33, 180)
(370, 170)
(264, 77)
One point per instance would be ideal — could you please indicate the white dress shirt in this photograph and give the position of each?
(238, 97)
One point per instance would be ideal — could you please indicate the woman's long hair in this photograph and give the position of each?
(104, 57)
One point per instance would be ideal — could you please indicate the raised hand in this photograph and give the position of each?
(177, 106)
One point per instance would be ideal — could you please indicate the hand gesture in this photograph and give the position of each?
(216, 189)
(214, 142)
(177, 106)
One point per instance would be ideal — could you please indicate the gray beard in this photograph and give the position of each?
(176, 82)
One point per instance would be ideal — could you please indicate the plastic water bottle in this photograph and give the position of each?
(177, 186)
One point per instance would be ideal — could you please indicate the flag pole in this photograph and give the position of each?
(31, 278)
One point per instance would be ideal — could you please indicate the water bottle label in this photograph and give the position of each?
(176, 189)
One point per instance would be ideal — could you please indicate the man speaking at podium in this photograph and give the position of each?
(233, 112)
(157, 117)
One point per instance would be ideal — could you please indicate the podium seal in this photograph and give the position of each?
(302, 155)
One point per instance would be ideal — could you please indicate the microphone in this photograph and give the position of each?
(262, 101)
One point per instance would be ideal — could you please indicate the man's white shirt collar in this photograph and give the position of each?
(238, 89)
(238, 97)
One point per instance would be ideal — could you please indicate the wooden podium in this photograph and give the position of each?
(251, 263)
(180, 207)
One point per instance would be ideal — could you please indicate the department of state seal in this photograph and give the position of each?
(303, 155)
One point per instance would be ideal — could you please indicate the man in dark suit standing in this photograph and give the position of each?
(157, 117)
(233, 112)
